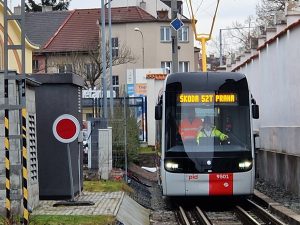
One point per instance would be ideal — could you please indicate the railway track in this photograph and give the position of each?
(248, 213)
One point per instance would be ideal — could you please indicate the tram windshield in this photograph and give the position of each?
(206, 122)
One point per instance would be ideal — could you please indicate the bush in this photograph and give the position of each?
(118, 139)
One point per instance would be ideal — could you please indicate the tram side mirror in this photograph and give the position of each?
(255, 111)
(158, 112)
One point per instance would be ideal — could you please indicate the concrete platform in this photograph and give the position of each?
(106, 203)
(276, 208)
(131, 213)
(115, 204)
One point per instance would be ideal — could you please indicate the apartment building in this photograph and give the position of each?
(73, 34)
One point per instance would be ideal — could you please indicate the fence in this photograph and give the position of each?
(128, 122)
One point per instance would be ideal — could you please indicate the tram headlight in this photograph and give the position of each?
(245, 165)
(171, 166)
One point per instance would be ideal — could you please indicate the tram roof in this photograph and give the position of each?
(194, 81)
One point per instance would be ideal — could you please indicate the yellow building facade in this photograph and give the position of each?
(14, 38)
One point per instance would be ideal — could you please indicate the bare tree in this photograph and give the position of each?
(242, 35)
(88, 64)
(266, 10)
(32, 6)
(122, 56)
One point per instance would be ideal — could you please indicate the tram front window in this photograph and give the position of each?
(193, 125)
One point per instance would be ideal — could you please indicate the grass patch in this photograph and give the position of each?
(14, 220)
(106, 186)
(146, 150)
(72, 220)
(2, 220)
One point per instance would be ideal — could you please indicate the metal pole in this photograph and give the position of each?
(143, 48)
(143, 51)
(70, 172)
(6, 119)
(174, 39)
(221, 54)
(143, 44)
(79, 185)
(203, 44)
(111, 99)
(103, 50)
(125, 139)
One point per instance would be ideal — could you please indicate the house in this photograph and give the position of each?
(72, 43)
(10, 186)
(74, 34)
(40, 27)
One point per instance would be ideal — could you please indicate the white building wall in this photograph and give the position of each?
(153, 89)
(151, 6)
(154, 51)
(274, 80)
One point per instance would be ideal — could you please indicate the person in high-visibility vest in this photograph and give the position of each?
(209, 130)
(190, 126)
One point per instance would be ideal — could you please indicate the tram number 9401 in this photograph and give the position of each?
(222, 176)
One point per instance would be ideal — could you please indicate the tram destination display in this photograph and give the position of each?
(221, 98)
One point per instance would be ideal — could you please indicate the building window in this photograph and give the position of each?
(65, 68)
(90, 70)
(165, 34)
(184, 66)
(167, 66)
(115, 47)
(35, 65)
(116, 87)
(183, 34)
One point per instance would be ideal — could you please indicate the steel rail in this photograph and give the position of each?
(264, 214)
(245, 217)
(202, 217)
(183, 216)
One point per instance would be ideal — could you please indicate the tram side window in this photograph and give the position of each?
(171, 127)
(235, 123)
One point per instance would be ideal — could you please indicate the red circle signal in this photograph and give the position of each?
(66, 128)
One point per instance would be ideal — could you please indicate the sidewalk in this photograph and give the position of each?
(106, 203)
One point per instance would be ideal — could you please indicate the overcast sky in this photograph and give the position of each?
(229, 11)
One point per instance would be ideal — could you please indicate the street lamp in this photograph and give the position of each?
(138, 30)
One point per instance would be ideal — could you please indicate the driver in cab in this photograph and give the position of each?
(190, 126)
(209, 130)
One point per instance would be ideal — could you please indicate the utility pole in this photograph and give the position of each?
(174, 38)
(221, 49)
(221, 39)
(111, 99)
(103, 51)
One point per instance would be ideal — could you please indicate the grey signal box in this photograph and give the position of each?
(57, 94)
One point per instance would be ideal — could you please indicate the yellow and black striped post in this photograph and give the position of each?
(7, 165)
(24, 170)
(7, 160)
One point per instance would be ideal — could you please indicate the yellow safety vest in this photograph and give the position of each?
(214, 133)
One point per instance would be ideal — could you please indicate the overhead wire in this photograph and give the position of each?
(203, 38)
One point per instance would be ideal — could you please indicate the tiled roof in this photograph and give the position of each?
(80, 31)
(41, 26)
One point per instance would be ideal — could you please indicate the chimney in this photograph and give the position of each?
(253, 43)
(261, 40)
(162, 14)
(143, 5)
(47, 8)
(17, 10)
(270, 33)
